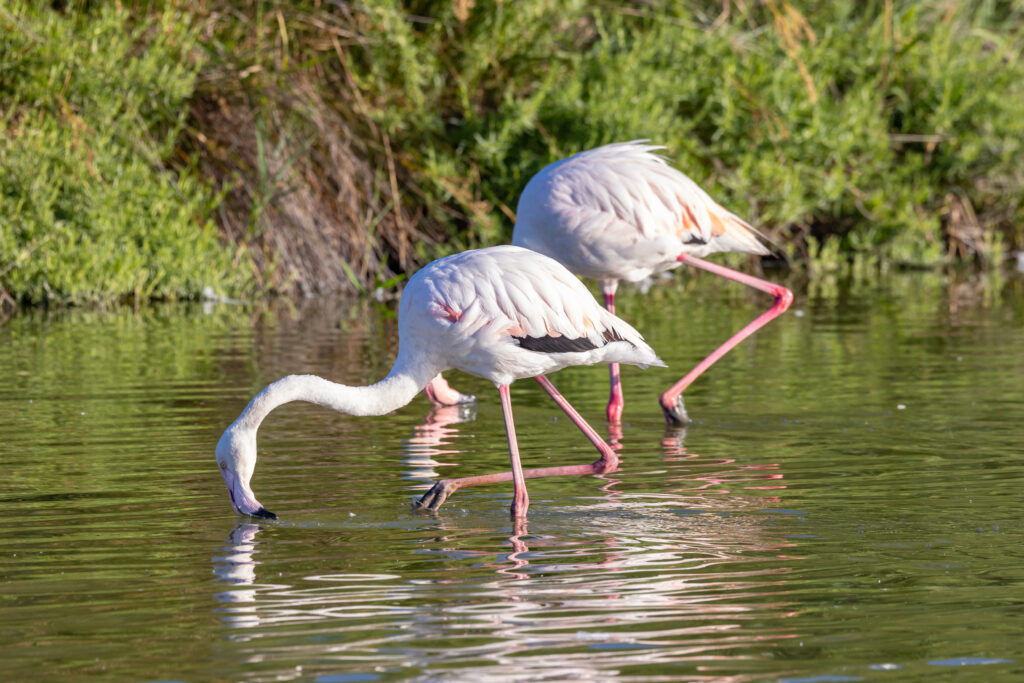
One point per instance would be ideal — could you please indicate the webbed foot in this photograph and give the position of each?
(675, 411)
(436, 496)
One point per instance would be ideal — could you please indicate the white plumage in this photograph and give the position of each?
(502, 313)
(621, 212)
(481, 305)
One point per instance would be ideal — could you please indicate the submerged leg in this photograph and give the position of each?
(441, 394)
(672, 400)
(615, 400)
(608, 461)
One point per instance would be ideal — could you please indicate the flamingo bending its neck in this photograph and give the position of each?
(620, 212)
(501, 313)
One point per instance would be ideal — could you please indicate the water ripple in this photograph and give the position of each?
(804, 528)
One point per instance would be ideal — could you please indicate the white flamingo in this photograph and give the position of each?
(501, 313)
(620, 212)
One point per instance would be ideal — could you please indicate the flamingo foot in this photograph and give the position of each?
(436, 496)
(674, 410)
(441, 393)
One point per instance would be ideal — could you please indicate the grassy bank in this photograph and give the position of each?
(93, 106)
(344, 144)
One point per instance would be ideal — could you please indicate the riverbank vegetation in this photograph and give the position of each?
(91, 208)
(339, 145)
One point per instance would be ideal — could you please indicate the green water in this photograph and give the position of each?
(847, 506)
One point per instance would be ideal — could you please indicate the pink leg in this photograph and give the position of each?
(672, 400)
(608, 461)
(615, 400)
(520, 498)
(441, 394)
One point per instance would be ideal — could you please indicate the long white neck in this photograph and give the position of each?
(391, 393)
(236, 450)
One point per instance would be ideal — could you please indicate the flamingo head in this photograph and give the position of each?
(236, 459)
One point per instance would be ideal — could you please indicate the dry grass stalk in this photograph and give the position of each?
(311, 200)
(964, 231)
(794, 29)
(311, 186)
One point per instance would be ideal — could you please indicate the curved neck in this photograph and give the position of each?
(391, 393)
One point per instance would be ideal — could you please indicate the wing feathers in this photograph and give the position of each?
(523, 290)
(625, 187)
(556, 344)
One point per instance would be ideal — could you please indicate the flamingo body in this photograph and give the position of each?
(501, 313)
(505, 313)
(620, 212)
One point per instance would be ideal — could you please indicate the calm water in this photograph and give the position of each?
(848, 505)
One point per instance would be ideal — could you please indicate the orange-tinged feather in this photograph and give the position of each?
(718, 226)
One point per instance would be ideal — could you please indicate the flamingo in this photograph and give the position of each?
(621, 212)
(502, 313)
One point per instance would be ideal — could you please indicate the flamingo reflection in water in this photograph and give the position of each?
(624, 580)
(645, 582)
(236, 565)
(433, 439)
(712, 479)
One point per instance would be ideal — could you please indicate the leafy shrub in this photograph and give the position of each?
(894, 127)
(93, 106)
(353, 141)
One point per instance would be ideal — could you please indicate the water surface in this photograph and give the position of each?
(847, 505)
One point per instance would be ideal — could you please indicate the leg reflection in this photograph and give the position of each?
(429, 441)
(703, 476)
(517, 558)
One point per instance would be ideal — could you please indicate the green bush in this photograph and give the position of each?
(93, 105)
(353, 141)
(868, 123)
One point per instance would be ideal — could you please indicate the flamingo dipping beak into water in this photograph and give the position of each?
(501, 313)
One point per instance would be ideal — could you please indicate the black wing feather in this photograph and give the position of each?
(547, 344)
(562, 344)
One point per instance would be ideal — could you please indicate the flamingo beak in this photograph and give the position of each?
(242, 500)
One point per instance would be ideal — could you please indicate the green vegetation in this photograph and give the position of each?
(878, 124)
(93, 107)
(349, 143)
